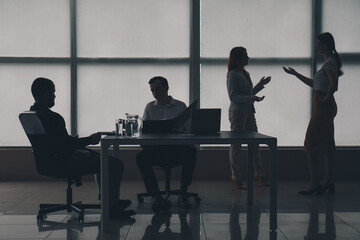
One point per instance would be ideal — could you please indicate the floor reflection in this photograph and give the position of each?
(253, 214)
(73, 228)
(160, 227)
(324, 203)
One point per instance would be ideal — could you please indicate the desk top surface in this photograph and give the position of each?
(223, 137)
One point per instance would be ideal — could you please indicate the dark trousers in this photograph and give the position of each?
(87, 161)
(166, 156)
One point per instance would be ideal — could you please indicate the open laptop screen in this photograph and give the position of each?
(171, 125)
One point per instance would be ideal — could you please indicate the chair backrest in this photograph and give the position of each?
(46, 162)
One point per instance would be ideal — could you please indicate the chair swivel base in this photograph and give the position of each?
(77, 207)
(140, 196)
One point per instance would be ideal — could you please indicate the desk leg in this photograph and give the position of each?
(116, 151)
(105, 208)
(250, 181)
(273, 187)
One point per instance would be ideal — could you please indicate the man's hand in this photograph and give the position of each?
(95, 138)
(264, 80)
(259, 99)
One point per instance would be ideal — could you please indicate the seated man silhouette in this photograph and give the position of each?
(70, 152)
(162, 108)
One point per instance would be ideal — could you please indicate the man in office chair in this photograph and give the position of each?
(70, 151)
(162, 108)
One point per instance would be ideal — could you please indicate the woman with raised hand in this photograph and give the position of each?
(242, 96)
(320, 132)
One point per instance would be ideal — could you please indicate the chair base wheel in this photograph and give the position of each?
(41, 217)
(81, 218)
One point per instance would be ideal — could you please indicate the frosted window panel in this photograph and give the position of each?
(141, 28)
(347, 131)
(107, 92)
(16, 97)
(342, 19)
(285, 111)
(35, 28)
(266, 28)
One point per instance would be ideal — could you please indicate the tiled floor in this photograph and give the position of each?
(222, 214)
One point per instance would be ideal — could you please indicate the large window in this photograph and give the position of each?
(136, 29)
(342, 20)
(34, 43)
(284, 39)
(138, 40)
(107, 92)
(34, 28)
(101, 54)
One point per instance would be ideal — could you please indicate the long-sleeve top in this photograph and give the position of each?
(241, 91)
(61, 143)
(321, 81)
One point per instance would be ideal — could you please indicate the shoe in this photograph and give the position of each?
(119, 213)
(124, 203)
(263, 180)
(236, 185)
(161, 205)
(160, 219)
(184, 203)
(330, 188)
(317, 190)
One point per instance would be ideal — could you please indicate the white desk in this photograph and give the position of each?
(248, 138)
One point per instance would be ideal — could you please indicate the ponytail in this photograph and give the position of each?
(339, 63)
(329, 40)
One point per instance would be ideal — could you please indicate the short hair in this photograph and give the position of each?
(163, 81)
(40, 86)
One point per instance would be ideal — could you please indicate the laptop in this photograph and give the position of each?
(206, 121)
(170, 125)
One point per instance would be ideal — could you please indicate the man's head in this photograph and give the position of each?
(159, 87)
(43, 91)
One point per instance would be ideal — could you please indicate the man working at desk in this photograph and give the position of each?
(162, 108)
(70, 152)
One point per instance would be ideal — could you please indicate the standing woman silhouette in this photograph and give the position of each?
(242, 96)
(320, 132)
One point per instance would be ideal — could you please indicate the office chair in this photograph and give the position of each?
(47, 165)
(167, 192)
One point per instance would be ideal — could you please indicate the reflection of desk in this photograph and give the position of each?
(248, 138)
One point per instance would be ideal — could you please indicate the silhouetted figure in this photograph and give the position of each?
(70, 152)
(242, 96)
(162, 108)
(320, 132)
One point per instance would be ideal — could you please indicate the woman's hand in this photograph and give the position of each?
(264, 80)
(259, 99)
(290, 70)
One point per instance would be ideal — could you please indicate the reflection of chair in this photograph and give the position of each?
(49, 165)
(167, 192)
